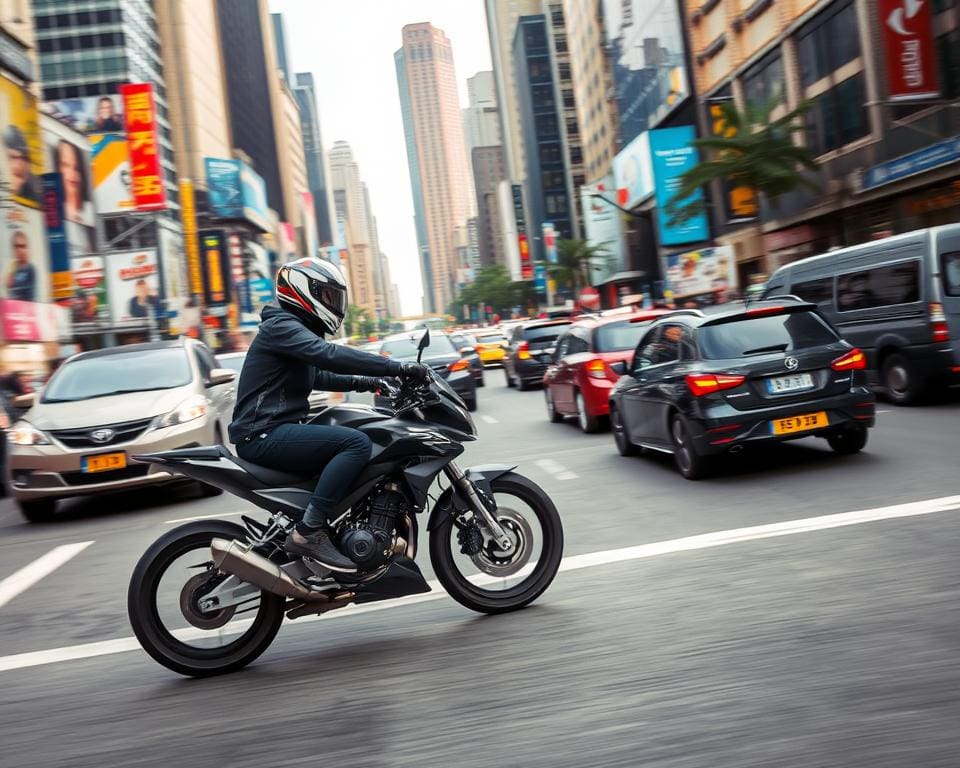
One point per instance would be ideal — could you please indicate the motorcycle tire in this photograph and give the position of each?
(487, 601)
(159, 642)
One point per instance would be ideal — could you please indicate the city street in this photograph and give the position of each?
(693, 624)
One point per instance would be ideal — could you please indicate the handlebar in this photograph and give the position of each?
(411, 394)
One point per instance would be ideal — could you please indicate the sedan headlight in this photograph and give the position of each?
(25, 434)
(192, 408)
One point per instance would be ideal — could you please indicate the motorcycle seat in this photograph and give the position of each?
(270, 477)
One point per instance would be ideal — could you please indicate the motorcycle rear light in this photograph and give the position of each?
(938, 322)
(701, 384)
(523, 351)
(854, 360)
(459, 365)
(597, 369)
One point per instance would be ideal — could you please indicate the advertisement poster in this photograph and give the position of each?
(29, 321)
(254, 191)
(133, 284)
(68, 153)
(224, 195)
(212, 248)
(21, 162)
(89, 279)
(191, 243)
(633, 173)
(57, 236)
(140, 118)
(549, 242)
(110, 163)
(907, 30)
(673, 155)
(89, 114)
(173, 285)
(23, 255)
(601, 223)
(707, 270)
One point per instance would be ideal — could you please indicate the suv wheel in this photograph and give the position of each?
(509, 380)
(691, 464)
(620, 437)
(39, 510)
(588, 423)
(848, 441)
(900, 380)
(552, 412)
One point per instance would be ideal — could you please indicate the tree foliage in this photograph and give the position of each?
(492, 287)
(574, 260)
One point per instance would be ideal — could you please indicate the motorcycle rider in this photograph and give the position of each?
(288, 358)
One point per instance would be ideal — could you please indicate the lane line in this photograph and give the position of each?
(43, 566)
(556, 469)
(203, 517)
(573, 563)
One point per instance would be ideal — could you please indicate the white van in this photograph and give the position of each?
(898, 299)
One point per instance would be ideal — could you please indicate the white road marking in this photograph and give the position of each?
(556, 469)
(202, 517)
(489, 419)
(885, 410)
(30, 574)
(573, 563)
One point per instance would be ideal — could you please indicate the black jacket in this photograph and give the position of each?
(284, 363)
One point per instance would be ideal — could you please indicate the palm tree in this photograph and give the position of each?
(574, 259)
(752, 152)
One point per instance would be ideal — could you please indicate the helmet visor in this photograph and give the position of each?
(332, 297)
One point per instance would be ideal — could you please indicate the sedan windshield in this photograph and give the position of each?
(618, 337)
(759, 335)
(406, 348)
(233, 362)
(140, 371)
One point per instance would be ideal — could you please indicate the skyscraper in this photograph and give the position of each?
(435, 126)
(489, 169)
(481, 119)
(315, 156)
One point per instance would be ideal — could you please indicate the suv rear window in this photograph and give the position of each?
(617, 337)
(758, 335)
(544, 332)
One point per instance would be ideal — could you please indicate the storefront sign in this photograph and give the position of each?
(707, 270)
(907, 29)
(673, 155)
(540, 278)
(238, 273)
(788, 238)
(140, 117)
(133, 282)
(942, 153)
(191, 245)
(61, 279)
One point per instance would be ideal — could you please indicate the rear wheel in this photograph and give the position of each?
(39, 510)
(552, 413)
(480, 381)
(588, 423)
(691, 464)
(848, 441)
(620, 436)
(491, 580)
(509, 380)
(900, 380)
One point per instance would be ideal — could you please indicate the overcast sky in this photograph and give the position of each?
(348, 45)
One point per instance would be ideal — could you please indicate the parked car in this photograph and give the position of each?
(441, 355)
(700, 385)
(234, 361)
(897, 299)
(101, 407)
(579, 380)
(492, 346)
(466, 345)
(531, 351)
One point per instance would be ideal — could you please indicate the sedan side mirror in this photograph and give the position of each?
(221, 376)
(24, 401)
(619, 368)
(465, 351)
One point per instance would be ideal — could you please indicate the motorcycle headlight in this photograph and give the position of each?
(192, 408)
(25, 434)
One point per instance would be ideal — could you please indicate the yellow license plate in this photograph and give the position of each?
(800, 423)
(104, 462)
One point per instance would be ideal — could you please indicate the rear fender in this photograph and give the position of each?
(449, 501)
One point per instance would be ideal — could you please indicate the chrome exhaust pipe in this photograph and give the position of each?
(234, 558)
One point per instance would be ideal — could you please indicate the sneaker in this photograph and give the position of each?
(318, 546)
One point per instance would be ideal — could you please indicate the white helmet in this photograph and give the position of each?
(315, 291)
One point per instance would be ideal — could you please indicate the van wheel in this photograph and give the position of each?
(902, 384)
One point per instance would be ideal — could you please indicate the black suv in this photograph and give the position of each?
(531, 351)
(700, 385)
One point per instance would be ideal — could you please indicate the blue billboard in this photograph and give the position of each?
(254, 193)
(224, 194)
(673, 154)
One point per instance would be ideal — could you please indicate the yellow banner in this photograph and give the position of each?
(188, 212)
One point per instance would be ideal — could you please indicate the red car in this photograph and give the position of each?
(579, 380)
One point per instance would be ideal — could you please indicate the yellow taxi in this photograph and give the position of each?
(491, 347)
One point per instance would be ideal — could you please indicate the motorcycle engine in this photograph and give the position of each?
(372, 539)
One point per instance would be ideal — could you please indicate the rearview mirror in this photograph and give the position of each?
(24, 401)
(221, 376)
(467, 351)
(619, 368)
(424, 343)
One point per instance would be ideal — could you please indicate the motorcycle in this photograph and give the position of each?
(209, 596)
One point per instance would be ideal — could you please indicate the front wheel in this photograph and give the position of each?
(848, 441)
(163, 605)
(490, 580)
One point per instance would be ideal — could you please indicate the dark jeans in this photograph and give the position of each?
(341, 453)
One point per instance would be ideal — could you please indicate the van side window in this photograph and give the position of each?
(951, 273)
(772, 290)
(815, 291)
(879, 287)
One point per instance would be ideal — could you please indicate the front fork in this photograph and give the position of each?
(479, 505)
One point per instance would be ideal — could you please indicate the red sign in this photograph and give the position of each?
(140, 118)
(526, 266)
(590, 298)
(910, 48)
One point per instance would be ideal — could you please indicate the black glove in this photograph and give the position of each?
(416, 371)
(373, 384)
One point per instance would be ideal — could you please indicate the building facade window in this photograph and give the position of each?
(828, 42)
(763, 82)
(838, 116)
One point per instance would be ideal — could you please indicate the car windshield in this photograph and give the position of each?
(406, 348)
(491, 338)
(758, 335)
(233, 362)
(141, 371)
(463, 340)
(620, 336)
(544, 332)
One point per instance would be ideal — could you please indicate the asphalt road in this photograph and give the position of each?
(799, 644)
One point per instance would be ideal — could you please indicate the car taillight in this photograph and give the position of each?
(459, 365)
(764, 311)
(938, 322)
(708, 383)
(854, 360)
(597, 369)
(523, 351)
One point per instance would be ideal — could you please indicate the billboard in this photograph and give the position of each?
(911, 51)
(68, 153)
(707, 270)
(89, 114)
(672, 155)
(110, 165)
(224, 195)
(191, 244)
(633, 172)
(140, 118)
(23, 255)
(214, 257)
(89, 278)
(21, 162)
(133, 284)
(57, 236)
(601, 223)
(254, 198)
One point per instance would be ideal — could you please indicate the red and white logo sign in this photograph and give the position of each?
(910, 48)
(590, 298)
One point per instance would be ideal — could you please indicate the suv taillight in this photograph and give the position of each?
(707, 383)
(938, 322)
(596, 369)
(854, 360)
(523, 351)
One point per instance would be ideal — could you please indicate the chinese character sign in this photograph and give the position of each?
(140, 116)
(56, 236)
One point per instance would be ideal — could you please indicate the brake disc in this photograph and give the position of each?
(195, 587)
(494, 561)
